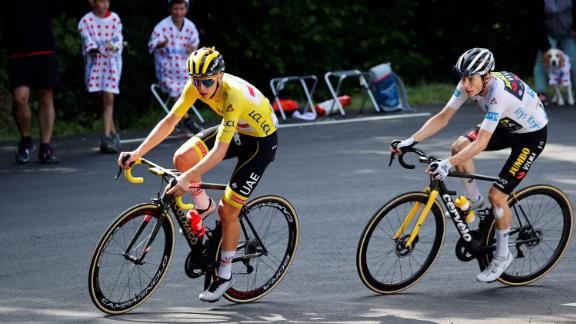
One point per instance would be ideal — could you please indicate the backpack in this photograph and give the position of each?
(385, 88)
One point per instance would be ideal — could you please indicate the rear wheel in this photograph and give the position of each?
(118, 282)
(387, 265)
(540, 233)
(268, 241)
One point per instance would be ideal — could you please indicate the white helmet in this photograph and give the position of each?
(476, 61)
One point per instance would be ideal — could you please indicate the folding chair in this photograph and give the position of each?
(342, 75)
(277, 84)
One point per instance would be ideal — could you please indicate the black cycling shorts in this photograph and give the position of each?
(36, 72)
(525, 147)
(253, 153)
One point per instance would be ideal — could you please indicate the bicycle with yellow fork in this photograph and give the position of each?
(403, 238)
(134, 253)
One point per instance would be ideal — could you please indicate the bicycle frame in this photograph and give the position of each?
(178, 207)
(438, 188)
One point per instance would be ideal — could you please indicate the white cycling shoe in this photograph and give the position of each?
(217, 288)
(495, 269)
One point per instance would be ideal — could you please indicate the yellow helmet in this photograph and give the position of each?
(205, 62)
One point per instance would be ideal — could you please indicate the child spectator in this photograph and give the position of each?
(172, 41)
(101, 32)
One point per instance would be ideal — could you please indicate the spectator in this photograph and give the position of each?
(101, 32)
(557, 17)
(172, 41)
(32, 64)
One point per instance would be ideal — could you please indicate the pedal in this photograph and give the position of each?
(466, 251)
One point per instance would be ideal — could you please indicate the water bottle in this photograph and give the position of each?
(464, 205)
(196, 223)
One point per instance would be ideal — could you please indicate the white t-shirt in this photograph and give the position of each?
(509, 103)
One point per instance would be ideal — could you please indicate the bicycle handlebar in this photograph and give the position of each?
(158, 171)
(424, 158)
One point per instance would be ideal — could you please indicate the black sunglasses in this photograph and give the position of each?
(206, 82)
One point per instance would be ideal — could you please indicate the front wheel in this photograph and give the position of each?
(119, 280)
(542, 219)
(266, 249)
(387, 264)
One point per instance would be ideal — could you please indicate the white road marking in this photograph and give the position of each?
(324, 122)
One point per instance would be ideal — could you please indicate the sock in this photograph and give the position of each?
(502, 244)
(201, 199)
(471, 189)
(225, 269)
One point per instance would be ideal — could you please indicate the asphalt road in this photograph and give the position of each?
(336, 175)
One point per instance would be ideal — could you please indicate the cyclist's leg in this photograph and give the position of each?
(253, 159)
(191, 152)
(525, 149)
(470, 185)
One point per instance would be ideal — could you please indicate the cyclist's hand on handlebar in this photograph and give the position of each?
(180, 186)
(127, 159)
(399, 147)
(439, 169)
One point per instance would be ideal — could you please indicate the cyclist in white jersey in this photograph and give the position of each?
(515, 118)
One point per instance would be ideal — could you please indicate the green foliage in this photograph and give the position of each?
(262, 39)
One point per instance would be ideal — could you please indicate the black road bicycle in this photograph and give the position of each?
(403, 238)
(134, 253)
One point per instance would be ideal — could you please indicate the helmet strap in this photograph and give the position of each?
(217, 87)
(483, 85)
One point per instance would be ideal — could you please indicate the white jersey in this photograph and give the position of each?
(509, 103)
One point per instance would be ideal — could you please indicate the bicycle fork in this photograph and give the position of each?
(421, 218)
(145, 222)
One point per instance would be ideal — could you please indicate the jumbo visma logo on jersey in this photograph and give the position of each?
(512, 83)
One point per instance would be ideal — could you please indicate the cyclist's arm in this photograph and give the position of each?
(473, 149)
(434, 124)
(167, 124)
(440, 120)
(158, 134)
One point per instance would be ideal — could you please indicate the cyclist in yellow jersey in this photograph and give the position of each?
(248, 131)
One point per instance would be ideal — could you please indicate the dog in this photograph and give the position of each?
(558, 65)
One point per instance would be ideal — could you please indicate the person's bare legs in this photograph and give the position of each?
(468, 166)
(21, 110)
(46, 115)
(108, 113)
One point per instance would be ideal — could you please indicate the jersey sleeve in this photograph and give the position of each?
(195, 37)
(87, 42)
(156, 37)
(458, 98)
(117, 39)
(186, 100)
(230, 117)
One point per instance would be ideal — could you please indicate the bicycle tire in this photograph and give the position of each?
(276, 223)
(549, 211)
(130, 283)
(383, 225)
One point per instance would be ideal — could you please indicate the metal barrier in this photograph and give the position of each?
(341, 75)
(277, 84)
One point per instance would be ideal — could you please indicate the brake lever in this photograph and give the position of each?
(118, 174)
(124, 159)
(391, 159)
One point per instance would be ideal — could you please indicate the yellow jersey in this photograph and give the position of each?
(244, 109)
